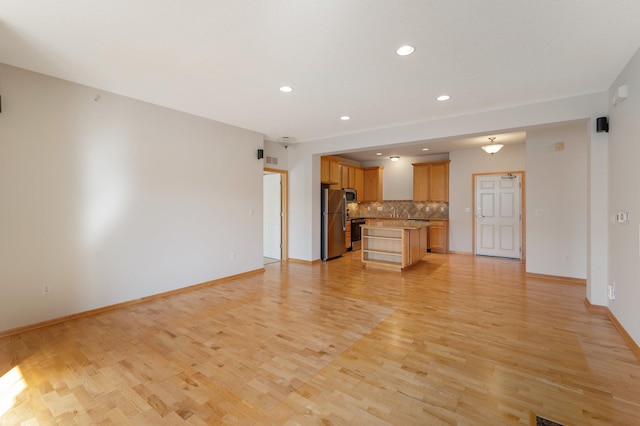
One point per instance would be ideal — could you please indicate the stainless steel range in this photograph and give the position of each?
(356, 233)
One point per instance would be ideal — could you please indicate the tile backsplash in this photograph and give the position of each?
(404, 209)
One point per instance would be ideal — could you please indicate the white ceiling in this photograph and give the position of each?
(226, 59)
(434, 146)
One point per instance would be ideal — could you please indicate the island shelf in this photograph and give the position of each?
(393, 245)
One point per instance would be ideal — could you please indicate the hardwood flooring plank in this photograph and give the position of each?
(455, 340)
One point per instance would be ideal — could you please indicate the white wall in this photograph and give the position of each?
(556, 197)
(277, 151)
(624, 195)
(397, 177)
(463, 165)
(114, 200)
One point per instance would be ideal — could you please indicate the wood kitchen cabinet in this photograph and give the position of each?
(345, 173)
(372, 184)
(349, 176)
(340, 175)
(431, 181)
(439, 236)
(359, 182)
(330, 172)
(347, 235)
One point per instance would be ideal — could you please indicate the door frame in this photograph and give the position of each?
(522, 208)
(284, 206)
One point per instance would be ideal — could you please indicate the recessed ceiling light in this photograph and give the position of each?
(443, 98)
(425, 149)
(345, 118)
(405, 50)
(378, 153)
(286, 89)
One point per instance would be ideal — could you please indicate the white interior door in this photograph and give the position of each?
(498, 216)
(272, 215)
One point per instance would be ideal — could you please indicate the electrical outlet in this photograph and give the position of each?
(380, 208)
(233, 255)
(46, 288)
(428, 209)
(441, 209)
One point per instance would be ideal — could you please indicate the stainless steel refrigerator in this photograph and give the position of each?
(334, 222)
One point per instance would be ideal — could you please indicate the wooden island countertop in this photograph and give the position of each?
(398, 224)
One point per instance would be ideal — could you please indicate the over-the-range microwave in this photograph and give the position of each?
(351, 195)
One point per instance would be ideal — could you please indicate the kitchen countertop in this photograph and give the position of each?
(398, 224)
(411, 219)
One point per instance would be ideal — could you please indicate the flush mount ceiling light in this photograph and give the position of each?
(286, 141)
(425, 149)
(394, 158)
(405, 50)
(286, 89)
(443, 98)
(345, 118)
(378, 153)
(493, 147)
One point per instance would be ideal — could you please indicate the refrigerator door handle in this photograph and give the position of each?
(344, 212)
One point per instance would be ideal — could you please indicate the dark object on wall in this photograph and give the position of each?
(0, 103)
(260, 153)
(602, 124)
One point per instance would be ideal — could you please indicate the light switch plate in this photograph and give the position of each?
(622, 218)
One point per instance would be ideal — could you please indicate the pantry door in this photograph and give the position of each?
(498, 215)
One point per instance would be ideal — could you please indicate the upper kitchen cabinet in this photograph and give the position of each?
(372, 184)
(330, 172)
(359, 182)
(353, 177)
(348, 175)
(431, 181)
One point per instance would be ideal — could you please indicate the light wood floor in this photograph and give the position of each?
(457, 340)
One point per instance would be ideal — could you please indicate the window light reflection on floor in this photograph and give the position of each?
(11, 385)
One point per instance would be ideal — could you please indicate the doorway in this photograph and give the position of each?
(498, 214)
(274, 215)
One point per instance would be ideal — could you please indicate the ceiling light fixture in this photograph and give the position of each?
(493, 147)
(345, 118)
(443, 97)
(378, 153)
(286, 89)
(394, 158)
(405, 50)
(425, 149)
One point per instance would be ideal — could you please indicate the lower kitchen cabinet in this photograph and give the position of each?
(439, 236)
(347, 235)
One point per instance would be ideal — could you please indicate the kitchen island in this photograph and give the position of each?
(394, 245)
